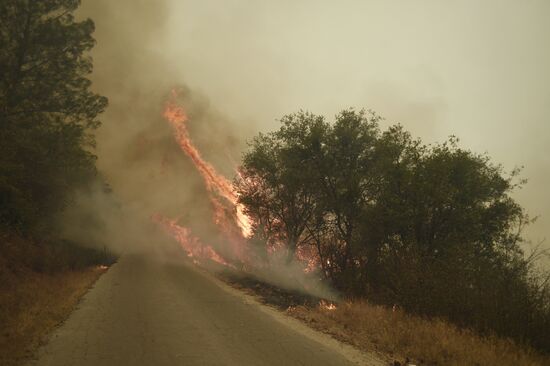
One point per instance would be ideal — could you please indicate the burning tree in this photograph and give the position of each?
(277, 184)
(308, 184)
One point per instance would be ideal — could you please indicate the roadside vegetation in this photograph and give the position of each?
(47, 118)
(390, 333)
(432, 229)
(402, 336)
(40, 284)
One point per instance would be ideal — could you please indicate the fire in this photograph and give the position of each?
(229, 216)
(309, 258)
(175, 114)
(191, 244)
(325, 305)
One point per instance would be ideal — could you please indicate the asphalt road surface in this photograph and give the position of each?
(149, 310)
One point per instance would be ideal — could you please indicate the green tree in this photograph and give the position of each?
(277, 185)
(446, 203)
(433, 228)
(346, 183)
(47, 110)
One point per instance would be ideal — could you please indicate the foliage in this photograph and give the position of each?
(278, 191)
(432, 228)
(47, 111)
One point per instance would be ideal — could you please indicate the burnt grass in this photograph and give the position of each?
(267, 293)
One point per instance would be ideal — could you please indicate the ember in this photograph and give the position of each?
(325, 305)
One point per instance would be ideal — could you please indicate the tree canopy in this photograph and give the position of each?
(433, 228)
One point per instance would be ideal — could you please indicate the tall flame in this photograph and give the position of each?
(175, 114)
(229, 215)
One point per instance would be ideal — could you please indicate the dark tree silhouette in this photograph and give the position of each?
(47, 111)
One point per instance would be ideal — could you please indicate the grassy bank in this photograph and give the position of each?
(40, 284)
(392, 333)
(423, 341)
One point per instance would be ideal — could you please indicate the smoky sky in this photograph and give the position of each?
(474, 69)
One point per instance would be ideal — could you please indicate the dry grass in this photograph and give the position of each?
(393, 335)
(32, 304)
(427, 342)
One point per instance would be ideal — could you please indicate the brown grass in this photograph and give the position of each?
(33, 303)
(400, 335)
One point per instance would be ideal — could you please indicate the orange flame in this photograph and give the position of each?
(191, 244)
(175, 114)
(325, 305)
(229, 215)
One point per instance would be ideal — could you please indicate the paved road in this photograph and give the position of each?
(150, 311)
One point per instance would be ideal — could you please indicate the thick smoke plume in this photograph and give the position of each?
(259, 60)
(136, 150)
(152, 183)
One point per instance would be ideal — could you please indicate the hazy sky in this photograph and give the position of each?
(478, 69)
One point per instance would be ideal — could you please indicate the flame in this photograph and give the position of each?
(229, 216)
(325, 305)
(176, 116)
(191, 244)
(309, 257)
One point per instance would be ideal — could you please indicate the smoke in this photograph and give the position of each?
(150, 179)
(136, 150)
(438, 70)
(477, 70)
(136, 153)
